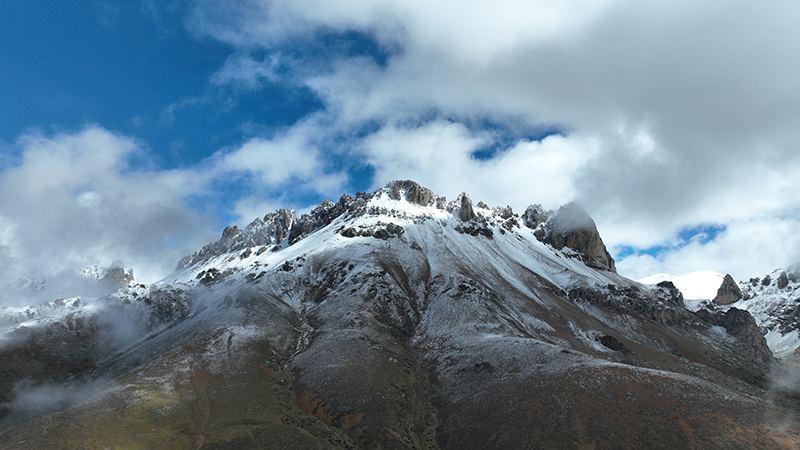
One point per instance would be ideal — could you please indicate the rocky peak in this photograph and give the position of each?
(728, 292)
(271, 230)
(117, 276)
(783, 280)
(740, 324)
(534, 216)
(572, 227)
(413, 192)
(466, 211)
(675, 295)
(320, 216)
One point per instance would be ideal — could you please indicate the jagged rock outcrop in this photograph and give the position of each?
(631, 300)
(534, 216)
(462, 206)
(675, 295)
(741, 324)
(320, 216)
(728, 292)
(572, 227)
(117, 276)
(271, 230)
(412, 192)
(774, 301)
(466, 212)
(783, 280)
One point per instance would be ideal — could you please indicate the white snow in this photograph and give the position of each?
(698, 285)
(783, 345)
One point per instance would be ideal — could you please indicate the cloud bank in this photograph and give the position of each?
(672, 114)
(657, 117)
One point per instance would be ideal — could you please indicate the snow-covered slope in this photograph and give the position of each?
(774, 301)
(698, 285)
(393, 320)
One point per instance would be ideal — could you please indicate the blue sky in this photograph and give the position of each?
(148, 126)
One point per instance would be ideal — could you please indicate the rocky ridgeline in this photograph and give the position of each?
(569, 227)
(728, 292)
(774, 299)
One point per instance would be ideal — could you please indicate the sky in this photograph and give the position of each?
(136, 130)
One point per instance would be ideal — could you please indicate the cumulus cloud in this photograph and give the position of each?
(75, 200)
(673, 114)
(440, 156)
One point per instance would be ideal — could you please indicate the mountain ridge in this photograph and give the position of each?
(399, 320)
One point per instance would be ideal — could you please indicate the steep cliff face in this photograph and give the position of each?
(573, 228)
(397, 320)
(728, 292)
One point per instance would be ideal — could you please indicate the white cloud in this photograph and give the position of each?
(439, 155)
(747, 248)
(74, 200)
(290, 157)
(245, 72)
(675, 113)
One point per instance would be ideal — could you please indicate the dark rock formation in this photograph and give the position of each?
(116, 277)
(783, 280)
(466, 212)
(612, 343)
(728, 292)
(413, 193)
(505, 213)
(320, 216)
(274, 229)
(675, 295)
(379, 231)
(534, 216)
(631, 300)
(271, 230)
(572, 227)
(742, 325)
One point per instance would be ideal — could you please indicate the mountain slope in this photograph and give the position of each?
(399, 320)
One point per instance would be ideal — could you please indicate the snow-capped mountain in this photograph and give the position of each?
(697, 285)
(774, 301)
(394, 319)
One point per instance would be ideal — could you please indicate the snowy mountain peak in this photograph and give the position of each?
(379, 320)
(570, 227)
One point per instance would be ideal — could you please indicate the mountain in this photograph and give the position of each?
(774, 301)
(393, 319)
(697, 285)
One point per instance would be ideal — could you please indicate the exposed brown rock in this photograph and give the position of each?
(412, 192)
(572, 227)
(466, 212)
(783, 280)
(728, 292)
